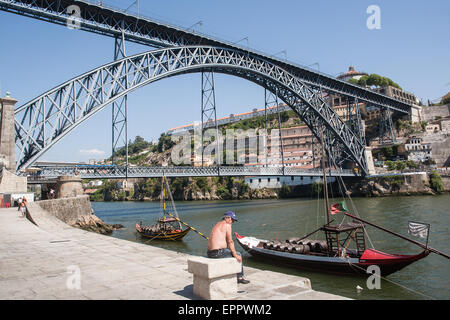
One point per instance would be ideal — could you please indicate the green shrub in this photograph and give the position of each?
(317, 186)
(400, 165)
(285, 191)
(411, 164)
(436, 181)
(391, 165)
(202, 183)
(223, 193)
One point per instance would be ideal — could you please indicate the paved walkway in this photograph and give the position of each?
(56, 261)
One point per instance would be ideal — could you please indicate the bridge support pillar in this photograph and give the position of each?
(10, 183)
(386, 126)
(120, 107)
(369, 160)
(7, 134)
(69, 186)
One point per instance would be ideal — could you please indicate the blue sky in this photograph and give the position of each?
(411, 48)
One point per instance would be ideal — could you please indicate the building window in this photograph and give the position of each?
(292, 178)
(278, 179)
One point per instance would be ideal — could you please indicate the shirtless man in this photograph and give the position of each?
(221, 245)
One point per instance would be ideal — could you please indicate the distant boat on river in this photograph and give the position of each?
(168, 226)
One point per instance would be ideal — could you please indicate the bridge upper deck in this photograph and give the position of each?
(109, 21)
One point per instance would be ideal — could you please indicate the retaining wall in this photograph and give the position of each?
(69, 210)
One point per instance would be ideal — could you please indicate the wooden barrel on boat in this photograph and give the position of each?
(320, 246)
(304, 241)
(306, 249)
(292, 240)
(268, 245)
(273, 245)
(301, 248)
(298, 248)
(311, 245)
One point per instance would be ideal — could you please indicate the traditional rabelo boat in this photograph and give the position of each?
(168, 226)
(334, 254)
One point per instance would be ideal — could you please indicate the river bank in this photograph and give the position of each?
(229, 188)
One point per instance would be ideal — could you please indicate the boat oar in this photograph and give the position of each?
(192, 228)
(400, 236)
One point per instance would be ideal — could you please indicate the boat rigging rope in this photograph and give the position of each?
(172, 202)
(192, 228)
(346, 193)
(393, 282)
(318, 210)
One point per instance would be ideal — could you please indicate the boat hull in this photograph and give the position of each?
(163, 235)
(387, 263)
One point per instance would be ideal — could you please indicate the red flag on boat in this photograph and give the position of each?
(338, 208)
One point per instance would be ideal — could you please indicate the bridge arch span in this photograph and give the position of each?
(45, 120)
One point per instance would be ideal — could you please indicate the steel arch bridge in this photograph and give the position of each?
(42, 122)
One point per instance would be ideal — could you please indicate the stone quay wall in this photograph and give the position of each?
(68, 210)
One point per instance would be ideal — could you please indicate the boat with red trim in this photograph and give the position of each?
(168, 226)
(334, 254)
(314, 255)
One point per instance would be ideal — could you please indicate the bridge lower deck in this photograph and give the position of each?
(119, 172)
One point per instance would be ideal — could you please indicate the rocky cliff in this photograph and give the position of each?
(406, 185)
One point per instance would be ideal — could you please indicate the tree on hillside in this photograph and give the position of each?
(165, 142)
(375, 80)
(135, 146)
(446, 99)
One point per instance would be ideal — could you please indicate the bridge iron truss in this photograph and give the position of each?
(45, 120)
(47, 173)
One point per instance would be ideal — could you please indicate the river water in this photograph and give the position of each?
(269, 219)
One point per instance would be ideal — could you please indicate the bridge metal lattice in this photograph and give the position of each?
(119, 132)
(209, 112)
(116, 172)
(354, 119)
(385, 126)
(42, 122)
(271, 99)
(113, 22)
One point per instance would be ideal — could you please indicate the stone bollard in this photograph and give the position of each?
(214, 279)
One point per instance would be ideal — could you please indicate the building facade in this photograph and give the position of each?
(417, 150)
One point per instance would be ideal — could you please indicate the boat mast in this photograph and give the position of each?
(164, 196)
(325, 184)
(174, 208)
